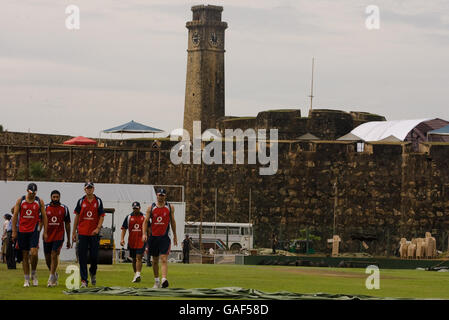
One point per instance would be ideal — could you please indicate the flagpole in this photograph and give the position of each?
(311, 88)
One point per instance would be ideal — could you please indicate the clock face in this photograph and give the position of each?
(213, 38)
(196, 38)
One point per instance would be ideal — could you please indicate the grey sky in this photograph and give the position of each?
(128, 60)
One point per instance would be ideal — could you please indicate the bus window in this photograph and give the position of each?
(221, 230)
(191, 229)
(234, 230)
(245, 232)
(208, 230)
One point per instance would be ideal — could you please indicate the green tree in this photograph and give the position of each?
(37, 171)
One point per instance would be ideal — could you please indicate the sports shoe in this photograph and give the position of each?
(136, 279)
(49, 282)
(26, 283)
(157, 285)
(35, 281)
(165, 283)
(93, 279)
(83, 284)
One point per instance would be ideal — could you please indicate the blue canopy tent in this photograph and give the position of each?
(440, 135)
(133, 127)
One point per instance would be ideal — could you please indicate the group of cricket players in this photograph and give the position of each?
(31, 218)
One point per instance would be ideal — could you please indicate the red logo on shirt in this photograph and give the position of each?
(88, 215)
(28, 216)
(56, 216)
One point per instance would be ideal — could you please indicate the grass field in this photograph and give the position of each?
(393, 283)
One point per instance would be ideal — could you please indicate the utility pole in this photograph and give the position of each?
(249, 219)
(335, 206)
(202, 209)
(215, 227)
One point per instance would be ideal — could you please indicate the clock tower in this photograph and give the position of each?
(204, 96)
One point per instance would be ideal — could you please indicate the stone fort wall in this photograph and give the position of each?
(323, 123)
(387, 190)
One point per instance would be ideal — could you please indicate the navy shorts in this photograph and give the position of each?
(28, 240)
(159, 245)
(53, 246)
(133, 252)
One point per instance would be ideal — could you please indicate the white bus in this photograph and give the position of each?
(221, 235)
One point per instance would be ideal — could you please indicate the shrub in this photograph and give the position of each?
(37, 171)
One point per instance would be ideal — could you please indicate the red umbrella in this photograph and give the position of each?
(80, 141)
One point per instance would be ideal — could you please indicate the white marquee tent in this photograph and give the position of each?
(379, 130)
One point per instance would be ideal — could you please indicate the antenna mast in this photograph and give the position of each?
(311, 89)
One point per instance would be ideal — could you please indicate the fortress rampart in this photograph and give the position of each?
(324, 186)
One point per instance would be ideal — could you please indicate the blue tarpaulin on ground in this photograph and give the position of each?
(219, 293)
